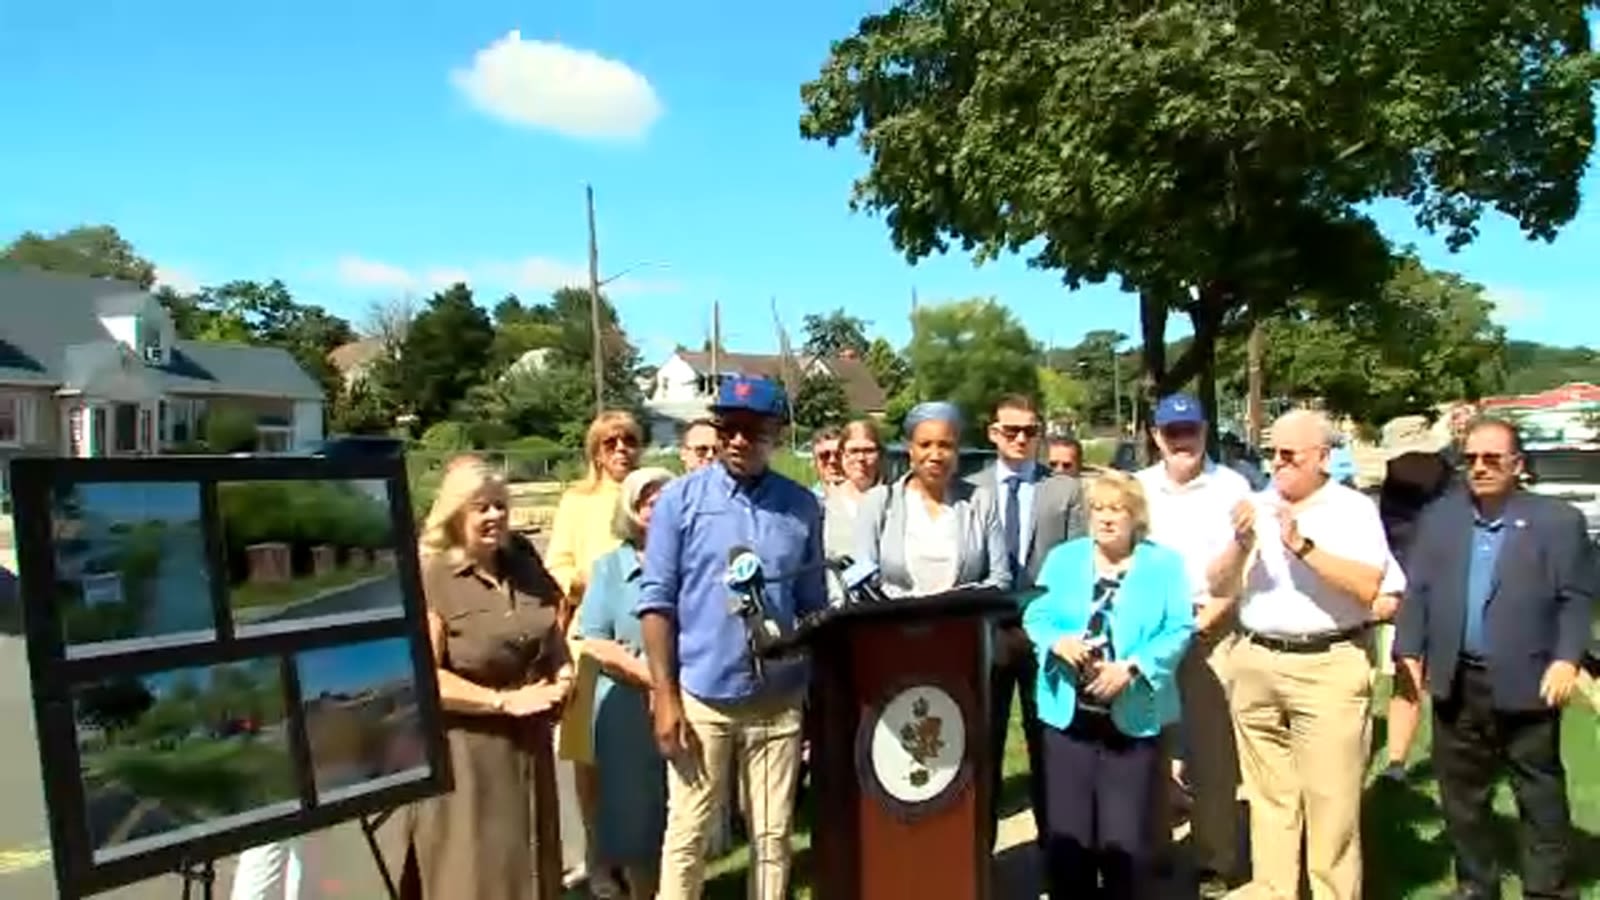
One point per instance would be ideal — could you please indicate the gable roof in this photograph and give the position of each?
(861, 387)
(51, 336)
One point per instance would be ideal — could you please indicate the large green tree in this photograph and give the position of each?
(1216, 159)
(1429, 341)
(888, 366)
(98, 251)
(971, 353)
(834, 333)
(821, 400)
(445, 354)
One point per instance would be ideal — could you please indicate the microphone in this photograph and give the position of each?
(749, 602)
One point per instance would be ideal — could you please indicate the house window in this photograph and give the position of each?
(272, 440)
(16, 420)
(125, 428)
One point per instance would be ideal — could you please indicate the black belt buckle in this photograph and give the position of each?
(1308, 643)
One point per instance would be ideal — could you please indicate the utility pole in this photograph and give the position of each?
(1254, 349)
(594, 309)
(1116, 389)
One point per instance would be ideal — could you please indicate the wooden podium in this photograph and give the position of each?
(900, 760)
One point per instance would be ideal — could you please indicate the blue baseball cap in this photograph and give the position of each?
(1179, 409)
(761, 396)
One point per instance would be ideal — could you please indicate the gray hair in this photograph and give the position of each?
(625, 524)
(1315, 421)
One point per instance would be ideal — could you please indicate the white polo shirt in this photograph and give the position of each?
(1282, 595)
(1194, 518)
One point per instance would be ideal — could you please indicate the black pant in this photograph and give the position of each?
(1102, 787)
(1019, 675)
(1472, 743)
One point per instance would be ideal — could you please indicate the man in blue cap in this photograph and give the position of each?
(712, 709)
(1191, 500)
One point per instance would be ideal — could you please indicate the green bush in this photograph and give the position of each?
(230, 429)
(302, 514)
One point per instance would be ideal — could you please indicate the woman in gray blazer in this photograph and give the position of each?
(923, 530)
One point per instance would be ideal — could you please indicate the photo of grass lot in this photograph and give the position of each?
(131, 565)
(299, 552)
(174, 755)
(362, 721)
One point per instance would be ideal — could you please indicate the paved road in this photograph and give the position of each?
(379, 592)
(341, 866)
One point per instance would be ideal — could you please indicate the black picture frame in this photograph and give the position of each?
(55, 674)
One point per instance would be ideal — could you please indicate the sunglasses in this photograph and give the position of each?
(620, 441)
(1489, 460)
(1012, 432)
(752, 431)
(1288, 455)
(1062, 466)
(827, 455)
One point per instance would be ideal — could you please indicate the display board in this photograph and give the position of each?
(225, 652)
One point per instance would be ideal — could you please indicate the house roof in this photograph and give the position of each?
(1572, 392)
(51, 336)
(861, 387)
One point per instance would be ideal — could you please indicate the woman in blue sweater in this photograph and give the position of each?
(1110, 630)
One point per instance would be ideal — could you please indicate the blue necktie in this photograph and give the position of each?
(1013, 521)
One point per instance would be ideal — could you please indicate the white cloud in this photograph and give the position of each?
(545, 85)
(532, 275)
(1514, 305)
(179, 279)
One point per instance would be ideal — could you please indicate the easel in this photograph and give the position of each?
(204, 874)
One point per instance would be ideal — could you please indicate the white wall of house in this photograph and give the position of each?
(149, 334)
(306, 424)
(676, 382)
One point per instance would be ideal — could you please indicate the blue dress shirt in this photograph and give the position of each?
(1487, 539)
(697, 520)
(1029, 474)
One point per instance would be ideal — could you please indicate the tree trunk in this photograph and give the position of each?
(1152, 381)
(1255, 414)
(1206, 318)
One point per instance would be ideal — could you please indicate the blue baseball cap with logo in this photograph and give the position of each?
(759, 396)
(1179, 409)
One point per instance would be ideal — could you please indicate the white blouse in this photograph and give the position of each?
(933, 546)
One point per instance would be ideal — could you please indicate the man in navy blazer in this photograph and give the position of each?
(1497, 613)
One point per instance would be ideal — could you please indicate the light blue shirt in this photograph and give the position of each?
(1487, 539)
(1029, 472)
(1151, 621)
(697, 520)
(607, 610)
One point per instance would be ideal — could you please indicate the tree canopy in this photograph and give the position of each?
(834, 333)
(970, 353)
(97, 251)
(1215, 159)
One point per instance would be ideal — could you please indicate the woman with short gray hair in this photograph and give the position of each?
(923, 530)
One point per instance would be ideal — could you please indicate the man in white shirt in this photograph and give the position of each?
(1312, 555)
(1191, 510)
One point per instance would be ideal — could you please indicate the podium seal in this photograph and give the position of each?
(916, 748)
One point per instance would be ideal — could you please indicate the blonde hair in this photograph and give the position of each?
(638, 486)
(464, 482)
(608, 424)
(1119, 489)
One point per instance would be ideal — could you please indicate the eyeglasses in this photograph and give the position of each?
(1012, 432)
(1288, 455)
(1062, 466)
(868, 450)
(701, 449)
(827, 455)
(621, 441)
(751, 430)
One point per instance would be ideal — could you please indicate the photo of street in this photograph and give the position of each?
(178, 754)
(303, 553)
(131, 566)
(361, 715)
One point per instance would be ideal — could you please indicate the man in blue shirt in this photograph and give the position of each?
(712, 709)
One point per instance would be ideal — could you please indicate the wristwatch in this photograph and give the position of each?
(1306, 546)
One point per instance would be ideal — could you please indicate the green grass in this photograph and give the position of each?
(1407, 857)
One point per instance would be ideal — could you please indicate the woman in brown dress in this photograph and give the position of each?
(503, 674)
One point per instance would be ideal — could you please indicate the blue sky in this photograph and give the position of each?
(353, 668)
(360, 151)
(139, 501)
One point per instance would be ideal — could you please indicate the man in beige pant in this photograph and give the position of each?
(713, 707)
(1191, 507)
(1311, 554)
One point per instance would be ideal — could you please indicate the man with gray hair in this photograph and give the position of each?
(1308, 560)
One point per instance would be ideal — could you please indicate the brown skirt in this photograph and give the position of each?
(497, 835)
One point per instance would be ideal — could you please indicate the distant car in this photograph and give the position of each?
(1568, 473)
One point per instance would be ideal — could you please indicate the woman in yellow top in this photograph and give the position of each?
(582, 533)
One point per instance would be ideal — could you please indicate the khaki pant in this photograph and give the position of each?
(763, 739)
(1303, 726)
(1211, 756)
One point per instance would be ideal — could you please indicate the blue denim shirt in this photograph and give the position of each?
(697, 520)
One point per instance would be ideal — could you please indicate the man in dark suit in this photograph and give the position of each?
(1038, 511)
(1497, 614)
